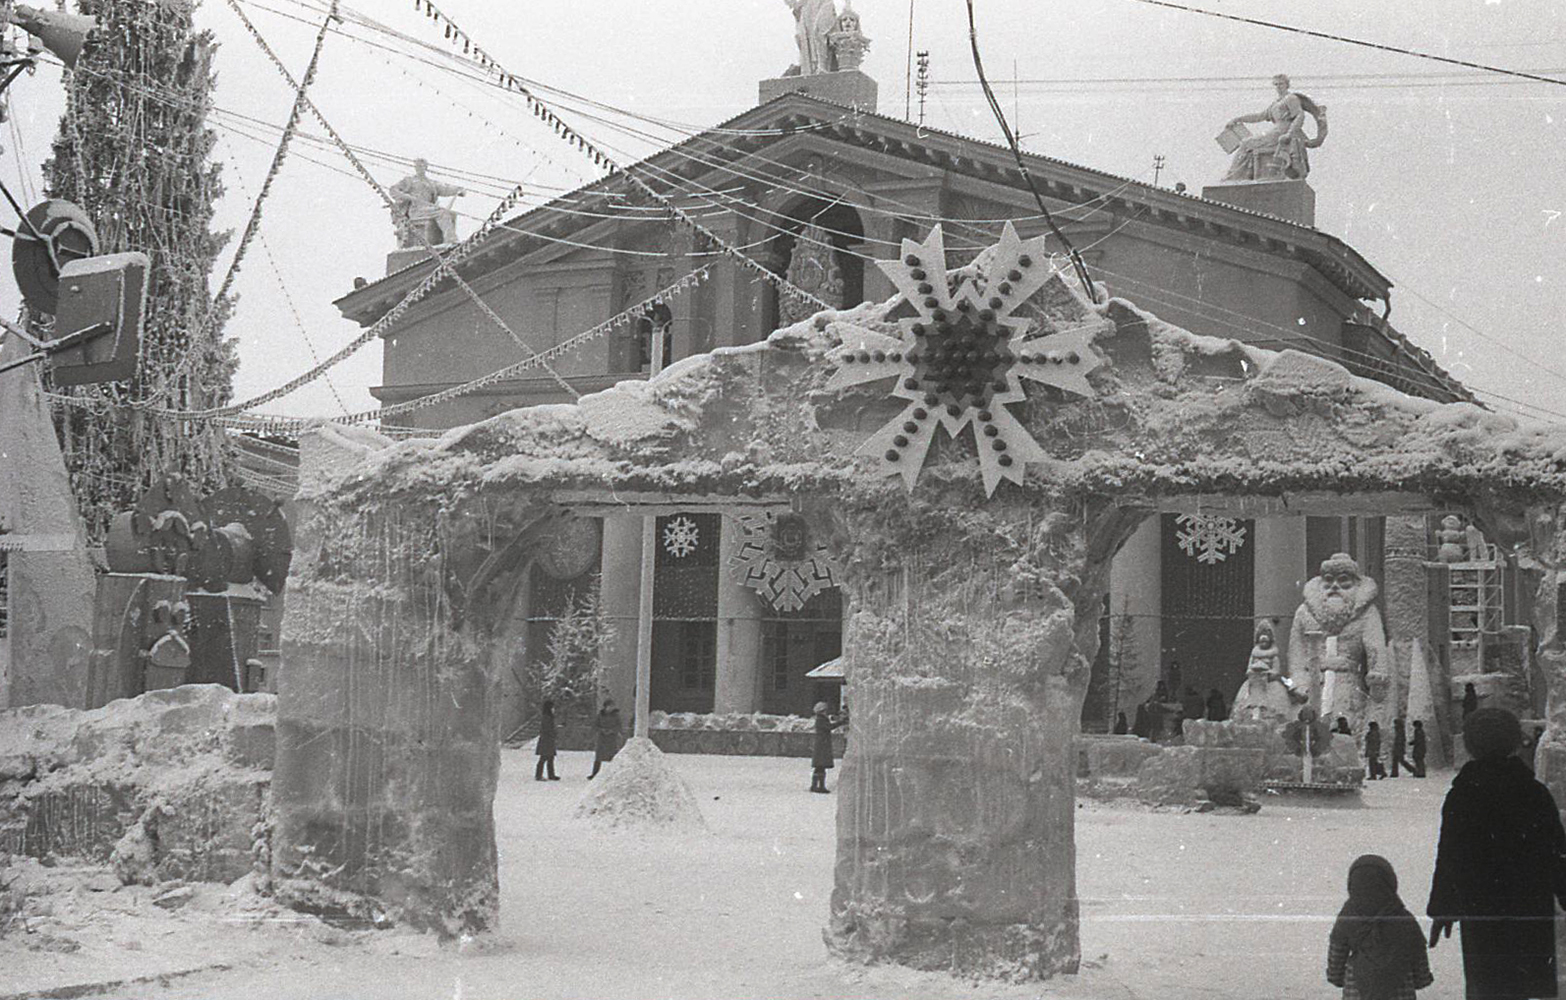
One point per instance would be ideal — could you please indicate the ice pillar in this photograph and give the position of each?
(968, 649)
(1417, 690)
(387, 730)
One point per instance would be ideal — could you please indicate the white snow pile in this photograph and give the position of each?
(639, 790)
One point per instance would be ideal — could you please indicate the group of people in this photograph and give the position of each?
(1160, 717)
(1500, 870)
(1402, 744)
(608, 738)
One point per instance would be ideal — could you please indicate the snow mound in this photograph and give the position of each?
(639, 790)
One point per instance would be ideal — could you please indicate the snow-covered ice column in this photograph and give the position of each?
(972, 628)
(388, 712)
(1417, 674)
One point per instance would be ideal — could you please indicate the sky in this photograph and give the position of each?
(1449, 181)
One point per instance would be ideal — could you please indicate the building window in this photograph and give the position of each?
(777, 648)
(698, 656)
(661, 323)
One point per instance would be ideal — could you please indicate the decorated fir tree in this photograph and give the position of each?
(571, 670)
(135, 153)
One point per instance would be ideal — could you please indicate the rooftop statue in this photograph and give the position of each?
(414, 206)
(814, 23)
(1279, 153)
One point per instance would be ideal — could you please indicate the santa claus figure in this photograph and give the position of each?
(1337, 648)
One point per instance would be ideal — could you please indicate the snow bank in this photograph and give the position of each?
(171, 784)
(639, 790)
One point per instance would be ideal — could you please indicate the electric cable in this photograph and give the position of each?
(1000, 117)
(1354, 41)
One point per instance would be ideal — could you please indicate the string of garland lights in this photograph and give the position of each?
(542, 111)
(640, 310)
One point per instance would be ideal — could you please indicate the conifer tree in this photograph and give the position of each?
(135, 153)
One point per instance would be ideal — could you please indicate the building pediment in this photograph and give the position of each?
(841, 150)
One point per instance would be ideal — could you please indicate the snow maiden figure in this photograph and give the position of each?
(1267, 694)
(1279, 153)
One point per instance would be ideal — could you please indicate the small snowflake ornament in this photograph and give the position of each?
(1209, 538)
(960, 362)
(680, 537)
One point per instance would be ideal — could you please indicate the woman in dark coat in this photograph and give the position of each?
(606, 736)
(546, 742)
(1217, 711)
(1120, 724)
(821, 751)
(1500, 866)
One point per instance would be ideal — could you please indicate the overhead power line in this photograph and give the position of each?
(1523, 74)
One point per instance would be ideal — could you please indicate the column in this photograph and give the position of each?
(388, 741)
(1136, 589)
(620, 592)
(1420, 688)
(1280, 563)
(969, 650)
(738, 683)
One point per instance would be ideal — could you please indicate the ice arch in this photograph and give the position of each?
(972, 616)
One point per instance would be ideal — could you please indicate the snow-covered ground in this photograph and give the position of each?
(1174, 906)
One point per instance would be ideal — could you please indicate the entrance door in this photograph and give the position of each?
(1208, 574)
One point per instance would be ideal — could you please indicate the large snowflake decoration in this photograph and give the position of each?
(962, 359)
(1210, 539)
(680, 537)
(785, 570)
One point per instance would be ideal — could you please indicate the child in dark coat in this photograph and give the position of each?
(821, 751)
(1376, 950)
(1373, 752)
(546, 743)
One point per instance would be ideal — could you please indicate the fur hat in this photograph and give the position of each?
(1340, 562)
(1491, 732)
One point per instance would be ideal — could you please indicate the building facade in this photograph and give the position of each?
(818, 191)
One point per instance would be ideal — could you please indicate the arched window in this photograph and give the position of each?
(829, 235)
(661, 323)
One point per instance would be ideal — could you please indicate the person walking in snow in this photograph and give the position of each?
(1120, 724)
(546, 742)
(1470, 699)
(1500, 866)
(1420, 746)
(821, 751)
(1399, 753)
(607, 738)
(1373, 752)
(1376, 950)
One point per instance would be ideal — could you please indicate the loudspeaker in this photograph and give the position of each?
(98, 325)
(60, 33)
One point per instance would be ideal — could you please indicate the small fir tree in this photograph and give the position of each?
(572, 669)
(134, 152)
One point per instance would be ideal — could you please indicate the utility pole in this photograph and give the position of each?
(923, 85)
(908, 75)
(1158, 167)
(644, 610)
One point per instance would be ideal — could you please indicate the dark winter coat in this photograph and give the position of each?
(821, 750)
(607, 739)
(1500, 867)
(1217, 711)
(1143, 726)
(1373, 744)
(1419, 745)
(546, 735)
